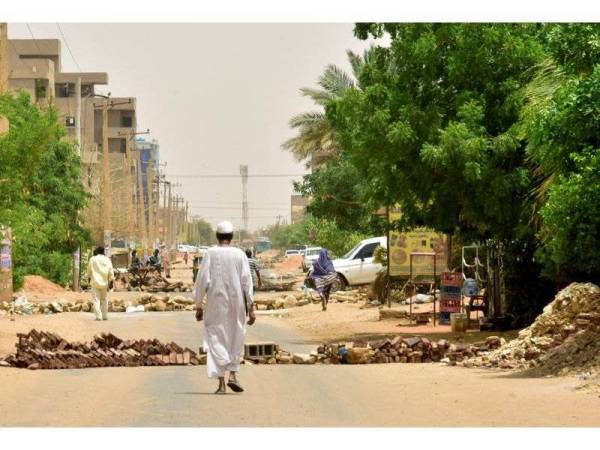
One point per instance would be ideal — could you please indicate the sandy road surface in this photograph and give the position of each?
(373, 395)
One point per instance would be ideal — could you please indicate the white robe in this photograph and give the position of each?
(225, 279)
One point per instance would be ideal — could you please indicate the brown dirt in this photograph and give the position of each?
(347, 321)
(289, 264)
(35, 284)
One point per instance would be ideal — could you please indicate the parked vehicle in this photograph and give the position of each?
(292, 252)
(310, 254)
(357, 267)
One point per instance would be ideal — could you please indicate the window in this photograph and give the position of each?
(40, 89)
(69, 121)
(367, 251)
(62, 90)
(126, 121)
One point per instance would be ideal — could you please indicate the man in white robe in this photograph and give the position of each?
(226, 281)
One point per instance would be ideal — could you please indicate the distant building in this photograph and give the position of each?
(35, 67)
(298, 208)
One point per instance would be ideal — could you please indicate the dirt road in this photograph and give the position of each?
(373, 395)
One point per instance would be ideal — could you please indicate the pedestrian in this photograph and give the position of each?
(254, 270)
(165, 259)
(154, 260)
(226, 281)
(101, 274)
(324, 275)
(185, 258)
(136, 263)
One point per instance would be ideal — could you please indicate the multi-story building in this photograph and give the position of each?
(149, 153)
(35, 66)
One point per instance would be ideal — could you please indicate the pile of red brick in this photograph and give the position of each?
(44, 350)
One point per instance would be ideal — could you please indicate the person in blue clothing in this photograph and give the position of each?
(323, 275)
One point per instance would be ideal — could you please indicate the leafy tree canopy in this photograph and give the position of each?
(41, 195)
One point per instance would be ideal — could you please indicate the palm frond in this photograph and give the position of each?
(307, 119)
(356, 61)
(335, 80)
(318, 96)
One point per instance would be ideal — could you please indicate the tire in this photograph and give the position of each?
(340, 284)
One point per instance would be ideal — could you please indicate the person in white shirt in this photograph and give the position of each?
(101, 274)
(226, 281)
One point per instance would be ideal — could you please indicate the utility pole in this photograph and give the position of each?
(4, 69)
(130, 212)
(244, 174)
(78, 115)
(150, 184)
(186, 223)
(165, 212)
(6, 284)
(77, 252)
(170, 216)
(143, 233)
(106, 183)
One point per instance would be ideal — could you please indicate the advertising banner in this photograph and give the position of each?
(402, 243)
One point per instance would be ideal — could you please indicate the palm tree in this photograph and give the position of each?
(539, 94)
(315, 141)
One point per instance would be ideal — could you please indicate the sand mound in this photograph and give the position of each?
(35, 284)
(564, 338)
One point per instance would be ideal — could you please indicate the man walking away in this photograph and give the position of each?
(226, 281)
(254, 270)
(101, 274)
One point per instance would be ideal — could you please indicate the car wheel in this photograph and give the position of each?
(339, 284)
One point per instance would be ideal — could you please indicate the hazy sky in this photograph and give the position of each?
(215, 96)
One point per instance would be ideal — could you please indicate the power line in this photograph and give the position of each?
(68, 47)
(257, 175)
(272, 208)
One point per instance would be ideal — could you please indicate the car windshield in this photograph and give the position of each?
(347, 255)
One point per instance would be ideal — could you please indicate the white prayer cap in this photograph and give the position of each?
(225, 227)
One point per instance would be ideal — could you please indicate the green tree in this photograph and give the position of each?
(336, 192)
(435, 128)
(562, 129)
(41, 195)
(202, 232)
(316, 232)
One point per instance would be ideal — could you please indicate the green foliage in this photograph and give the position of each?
(41, 195)
(438, 108)
(336, 192)
(563, 139)
(316, 232)
(571, 218)
(201, 232)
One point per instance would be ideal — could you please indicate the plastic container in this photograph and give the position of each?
(459, 322)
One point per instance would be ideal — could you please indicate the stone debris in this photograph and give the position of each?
(45, 350)
(400, 349)
(151, 302)
(353, 296)
(272, 281)
(564, 338)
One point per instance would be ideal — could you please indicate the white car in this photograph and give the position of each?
(357, 267)
(311, 254)
(292, 252)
